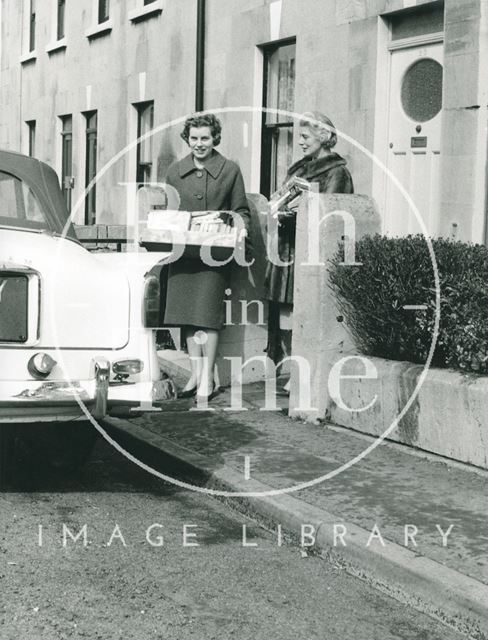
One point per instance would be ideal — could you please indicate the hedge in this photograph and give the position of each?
(398, 271)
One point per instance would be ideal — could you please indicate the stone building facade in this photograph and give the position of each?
(404, 80)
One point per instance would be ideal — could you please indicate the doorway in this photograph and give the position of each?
(414, 138)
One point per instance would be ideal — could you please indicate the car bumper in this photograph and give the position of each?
(34, 400)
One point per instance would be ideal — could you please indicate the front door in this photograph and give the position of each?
(414, 132)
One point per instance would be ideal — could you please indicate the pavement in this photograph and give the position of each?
(413, 524)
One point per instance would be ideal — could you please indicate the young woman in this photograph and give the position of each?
(205, 181)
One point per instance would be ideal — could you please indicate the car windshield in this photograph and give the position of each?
(19, 207)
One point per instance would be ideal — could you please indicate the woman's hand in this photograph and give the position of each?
(287, 213)
(283, 215)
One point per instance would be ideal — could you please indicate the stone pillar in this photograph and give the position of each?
(319, 336)
(244, 334)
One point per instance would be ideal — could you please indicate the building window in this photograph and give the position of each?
(417, 21)
(103, 10)
(145, 123)
(61, 19)
(67, 158)
(279, 93)
(31, 131)
(91, 166)
(32, 25)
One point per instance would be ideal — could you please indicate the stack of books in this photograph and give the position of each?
(186, 233)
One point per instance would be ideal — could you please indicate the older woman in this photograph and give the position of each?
(320, 165)
(204, 180)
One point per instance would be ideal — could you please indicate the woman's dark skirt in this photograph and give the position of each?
(279, 281)
(195, 294)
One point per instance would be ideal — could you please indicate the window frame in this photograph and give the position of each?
(91, 157)
(145, 147)
(31, 137)
(32, 26)
(60, 19)
(270, 132)
(103, 11)
(145, 11)
(66, 158)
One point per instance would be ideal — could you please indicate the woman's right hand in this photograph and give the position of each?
(285, 214)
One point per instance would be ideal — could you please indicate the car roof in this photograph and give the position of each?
(43, 181)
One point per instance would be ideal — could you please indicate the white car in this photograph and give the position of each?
(77, 332)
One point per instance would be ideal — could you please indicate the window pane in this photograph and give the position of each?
(19, 204)
(67, 122)
(61, 7)
(67, 158)
(103, 10)
(91, 166)
(417, 23)
(91, 121)
(31, 126)
(283, 155)
(422, 90)
(32, 26)
(146, 125)
(8, 198)
(279, 93)
(33, 210)
(281, 83)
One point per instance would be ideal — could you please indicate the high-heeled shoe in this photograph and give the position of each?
(187, 393)
(201, 399)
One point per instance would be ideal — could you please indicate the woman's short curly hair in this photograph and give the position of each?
(321, 127)
(204, 120)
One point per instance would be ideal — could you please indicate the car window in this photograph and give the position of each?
(19, 205)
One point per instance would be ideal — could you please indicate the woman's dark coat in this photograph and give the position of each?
(332, 177)
(195, 291)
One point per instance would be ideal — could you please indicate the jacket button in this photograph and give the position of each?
(199, 174)
(199, 196)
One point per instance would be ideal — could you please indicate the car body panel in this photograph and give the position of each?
(84, 310)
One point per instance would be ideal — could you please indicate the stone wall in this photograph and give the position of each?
(447, 416)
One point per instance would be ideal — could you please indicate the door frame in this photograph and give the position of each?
(385, 48)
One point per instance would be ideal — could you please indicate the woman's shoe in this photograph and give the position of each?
(200, 399)
(284, 391)
(187, 393)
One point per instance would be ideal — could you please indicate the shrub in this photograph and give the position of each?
(397, 272)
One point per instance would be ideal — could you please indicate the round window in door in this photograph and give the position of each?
(422, 90)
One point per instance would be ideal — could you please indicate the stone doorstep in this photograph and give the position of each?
(424, 584)
(176, 363)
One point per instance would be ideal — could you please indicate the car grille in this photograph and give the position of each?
(13, 307)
